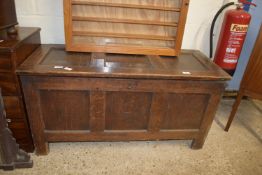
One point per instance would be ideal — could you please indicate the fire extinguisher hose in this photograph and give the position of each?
(213, 25)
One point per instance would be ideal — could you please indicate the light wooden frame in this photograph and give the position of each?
(161, 26)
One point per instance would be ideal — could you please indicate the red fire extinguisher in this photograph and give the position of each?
(233, 33)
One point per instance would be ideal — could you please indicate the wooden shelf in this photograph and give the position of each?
(155, 27)
(123, 35)
(120, 48)
(149, 7)
(127, 21)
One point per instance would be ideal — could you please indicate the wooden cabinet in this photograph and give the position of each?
(251, 84)
(115, 97)
(13, 51)
(154, 27)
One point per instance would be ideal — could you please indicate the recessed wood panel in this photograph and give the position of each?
(65, 110)
(127, 61)
(8, 83)
(5, 62)
(185, 111)
(63, 58)
(184, 63)
(13, 108)
(127, 110)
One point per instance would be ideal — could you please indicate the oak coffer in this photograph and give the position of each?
(116, 97)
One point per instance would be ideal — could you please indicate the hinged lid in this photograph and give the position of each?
(190, 65)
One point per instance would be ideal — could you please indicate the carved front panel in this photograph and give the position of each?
(185, 111)
(65, 110)
(127, 110)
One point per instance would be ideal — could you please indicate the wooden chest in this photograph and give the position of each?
(114, 97)
(13, 51)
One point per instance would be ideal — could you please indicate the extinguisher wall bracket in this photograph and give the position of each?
(213, 25)
(245, 2)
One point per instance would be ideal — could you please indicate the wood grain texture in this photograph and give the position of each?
(13, 107)
(133, 27)
(181, 108)
(158, 112)
(181, 25)
(8, 83)
(118, 97)
(73, 136)
(37, 124)
(97, 111)
(76, 115)
(252, 77)
(251, 84)
(13, 51)
(101, 65)
(207, 120)
(127, 110)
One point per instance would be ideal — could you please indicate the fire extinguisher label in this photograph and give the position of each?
(232, 37)
(233, 50)
(238, 28)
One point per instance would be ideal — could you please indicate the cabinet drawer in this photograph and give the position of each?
(19, 129)
(8, 84)
(16, 124)
(5, 62)
(13, 107)
(20, 135)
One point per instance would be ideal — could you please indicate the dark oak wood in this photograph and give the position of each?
(159, 103)
(97, 111)
(13, 51)
(116, 97)
(251, 84)
(11, 156)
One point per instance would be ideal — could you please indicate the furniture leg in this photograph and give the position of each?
(37, 123)
(234, 110)
(198, 143)
(41, 148)
(209, 116)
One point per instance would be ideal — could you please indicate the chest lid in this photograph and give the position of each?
(53, 60)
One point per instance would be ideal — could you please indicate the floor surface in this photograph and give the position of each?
(237, 152)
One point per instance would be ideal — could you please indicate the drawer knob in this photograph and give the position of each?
(8, 120)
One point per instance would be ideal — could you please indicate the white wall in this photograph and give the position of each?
(48, 14)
